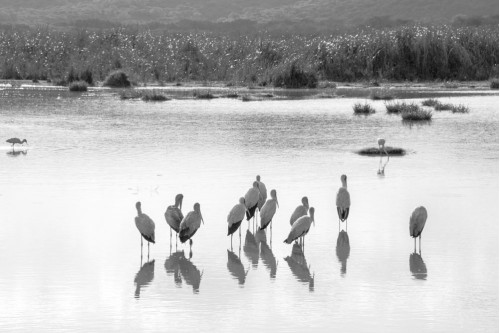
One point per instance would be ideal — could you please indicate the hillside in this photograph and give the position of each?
(331, 12)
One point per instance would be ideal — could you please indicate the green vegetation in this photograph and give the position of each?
(117, 79)
(442, 107)
(381, 94)
(401, 107)
(130, 94)
(392, 151)
(153, 96)
(203, 95)
(412, 52)
(416, 114)
(460, 109)
(494, 84)
(430, 102)
(365, 109)
(78, 86)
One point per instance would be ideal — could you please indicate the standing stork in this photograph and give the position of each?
(235, 217)
(300, 210)
(173, 215)
(268, 211)
(145, 225)
(190, 224)
(417, 224)
(343, 200)
(13, 141)
(263, 193)
(300, 227)
(252, 198)
(381, 146)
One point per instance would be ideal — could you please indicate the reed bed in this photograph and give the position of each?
(443, 106)
(399, 107)
(460, 109)
(78, 86)
(430, 102)
(413, 52)
(363, 109)
(416, 115)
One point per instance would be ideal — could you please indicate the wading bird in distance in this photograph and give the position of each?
(417, 224)
(190, 224)
(268, 211)
(252, 198)
(235, 217)
(145, 225)
(381, 146)
(263, 193)
(13, 141)
(343, 201)
(300, 228)
(300, 210)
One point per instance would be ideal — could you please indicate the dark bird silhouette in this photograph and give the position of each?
(417, 266)
(144, 277)
(145, 225)
(13, 141)
(173, 214)
(417, 224)
(298, 265)
(343, 250)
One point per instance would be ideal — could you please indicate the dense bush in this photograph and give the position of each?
(117, 79)
(363, 108)
(78, 86)
(295, 77)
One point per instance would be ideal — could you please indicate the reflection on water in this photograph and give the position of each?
(172, 267)
(251, 249)
(15, 153)
(144, 277)
(235, 267)
(381, 167)
(343, 250)
(190, 273)
(298, 265)
(266, 254)
(417, 266)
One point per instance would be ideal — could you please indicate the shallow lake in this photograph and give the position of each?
(70, 252)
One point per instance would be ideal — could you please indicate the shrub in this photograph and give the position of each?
(130, 94)
(430, 102)
(442, 107)
(381, 94)
(203, 94)
(460, 109)
(417, 114)
(86, 76)
(401, 107)
(78, 86)
(154, 97)
(363, 108)
(117, 79)
(233, 94)
(295, 77)
(494, 84)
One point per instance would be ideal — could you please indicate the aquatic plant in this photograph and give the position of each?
(381, 94)
(78, 86)
(416, 114)
(360, 108)
(153, 96)
(374, 151)
(294, 77)
(117, 79)
(442, 106)
(460, 109)
(130, 94)
(430, 102)
(203, 94)
(494, 84)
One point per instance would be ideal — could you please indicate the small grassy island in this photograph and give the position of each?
(373, 151)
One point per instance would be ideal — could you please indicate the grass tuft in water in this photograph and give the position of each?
(78, 86)
(416, 114)
(381, 94)
(443, 107)
(360, 108)
(400, 107)
(460, 109)
(153, 96)
(203, 95)
(430, 102)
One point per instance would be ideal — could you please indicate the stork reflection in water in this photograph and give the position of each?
(251, 249)
(343, 250)
(144, 277)
(235, 267)
(417, 266)
(266, 254)
(190, 273)
(172, 267)
(298, 265)
(381, 167)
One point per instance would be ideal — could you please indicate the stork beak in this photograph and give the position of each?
(314, 224)
(202, 219)
(277, 204)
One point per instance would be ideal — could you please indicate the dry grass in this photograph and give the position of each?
(365, 109)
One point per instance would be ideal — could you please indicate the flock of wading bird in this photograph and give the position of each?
(256, 198)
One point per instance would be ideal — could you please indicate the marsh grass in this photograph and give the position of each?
(363, 109)
(381, 94)
(494, 84)
(399, 107)
(443, 106)
(416, 114)
(153, 96)
(117, 79)
(78, 86)
(372, 151)
(198, 94)
(430, 102)
(460, 109)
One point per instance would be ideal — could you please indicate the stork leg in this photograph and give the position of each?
(420, 243)
(415, 244)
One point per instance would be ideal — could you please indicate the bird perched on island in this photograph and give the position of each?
(417, 224)
(190, 224)
(263, 193)
(343, 200)
(252, 198)
(145, 225)
(173, 214)
(235, 217)
(13, 141)
(268, 211)
(300, 210)
(300, 227)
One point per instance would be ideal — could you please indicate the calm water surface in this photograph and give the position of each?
(70, 251)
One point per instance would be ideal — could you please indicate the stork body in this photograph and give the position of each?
(252, 200)
(300, 210)
(263, 193)
(268, 210)
(145, 225)
(235, 217)
(381, 146)
(417, 224)
(13, 141)
(173, 214)
(190, 224)
(300, 227)
(343, 200)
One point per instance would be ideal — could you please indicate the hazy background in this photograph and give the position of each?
(242, 16)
